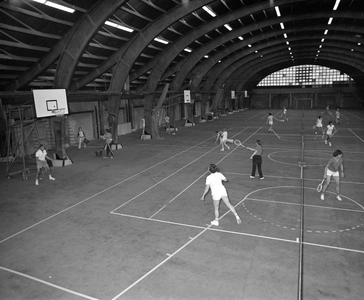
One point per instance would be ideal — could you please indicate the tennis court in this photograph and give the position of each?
(135, 228)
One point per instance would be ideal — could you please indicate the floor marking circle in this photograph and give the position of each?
(292, 228)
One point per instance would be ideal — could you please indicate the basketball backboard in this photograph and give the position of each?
(46, 101)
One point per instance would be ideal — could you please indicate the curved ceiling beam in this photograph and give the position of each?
(198, 73)
(80, 38)
(184, 66)
(221, 72)
(53, 54)
(169, 54)
(211, 65)
(124, 58)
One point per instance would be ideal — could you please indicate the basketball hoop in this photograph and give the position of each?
(59, 112)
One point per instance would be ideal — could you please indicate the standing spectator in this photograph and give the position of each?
(257, 159)
(108, 140)
(284, 114)
(332, 169)
(218, 192)
(41, 159)
(337, 116)
(168, 124)
(327, 111)
(319, 125)
(81, 138)
(330, 130)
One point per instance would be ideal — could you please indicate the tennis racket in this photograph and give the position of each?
(238, 143)
(319, 187)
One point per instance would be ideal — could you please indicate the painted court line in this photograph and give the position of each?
(99, 193)
(180, 193)
(48, 283)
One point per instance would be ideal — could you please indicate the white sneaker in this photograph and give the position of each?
(325, 142)
(338, 198)
(330, 144)
(36, 182)
(322, 197)
(215, 222)
(51, 178)
(252, 177)
(222, 150)
(238, 220)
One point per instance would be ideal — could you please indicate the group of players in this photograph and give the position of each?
(334, 168)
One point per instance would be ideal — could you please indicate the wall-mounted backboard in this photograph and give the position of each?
(47, 101)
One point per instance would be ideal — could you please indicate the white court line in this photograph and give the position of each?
(172, 174)
(48, 283)
(356, 135)
(333, 247)
(196, 179)
(308, 205)
(99, 193)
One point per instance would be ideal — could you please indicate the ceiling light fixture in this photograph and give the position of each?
(240, 38)
(56, 6)
(336, 4)
(160, 40)
(285, 35)
(330, 21)
(187, 49)
(228, 27)
(277, 11)
(282, 26)
(209, 10)
(326, 31)
(121, 27)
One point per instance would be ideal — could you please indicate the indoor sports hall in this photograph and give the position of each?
(135, 228)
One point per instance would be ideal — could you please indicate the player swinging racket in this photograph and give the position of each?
(332, 169)
(257, 159)
(223, 137)
(218, 192)
(330, 131)
(269, 121)
(319, 125)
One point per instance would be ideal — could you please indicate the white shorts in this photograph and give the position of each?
(270, 123)
(332, 173)
(217, 195)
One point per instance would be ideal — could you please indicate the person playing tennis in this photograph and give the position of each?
(218, 191)
(319, 125)
(269, 121)
(337, 116)
(330, 130)
(41, 158)
(257, 159)
(223, 136)
(332, 169)
(284, 114)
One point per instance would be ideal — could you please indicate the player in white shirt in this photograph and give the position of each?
(41, 158)
(218, 192)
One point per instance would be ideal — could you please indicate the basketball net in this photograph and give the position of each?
(59, 112)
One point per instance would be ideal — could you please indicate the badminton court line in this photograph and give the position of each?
(356, 135)
(101, 192)
(48, 283)
(180, 193)
(172, 174)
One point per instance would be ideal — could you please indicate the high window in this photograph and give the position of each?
(307, 75)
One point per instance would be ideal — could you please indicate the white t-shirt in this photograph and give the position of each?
(319, 123)
(41, 155)
(224, 135)
(214, 180)
(330, 129)
(270, 120)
